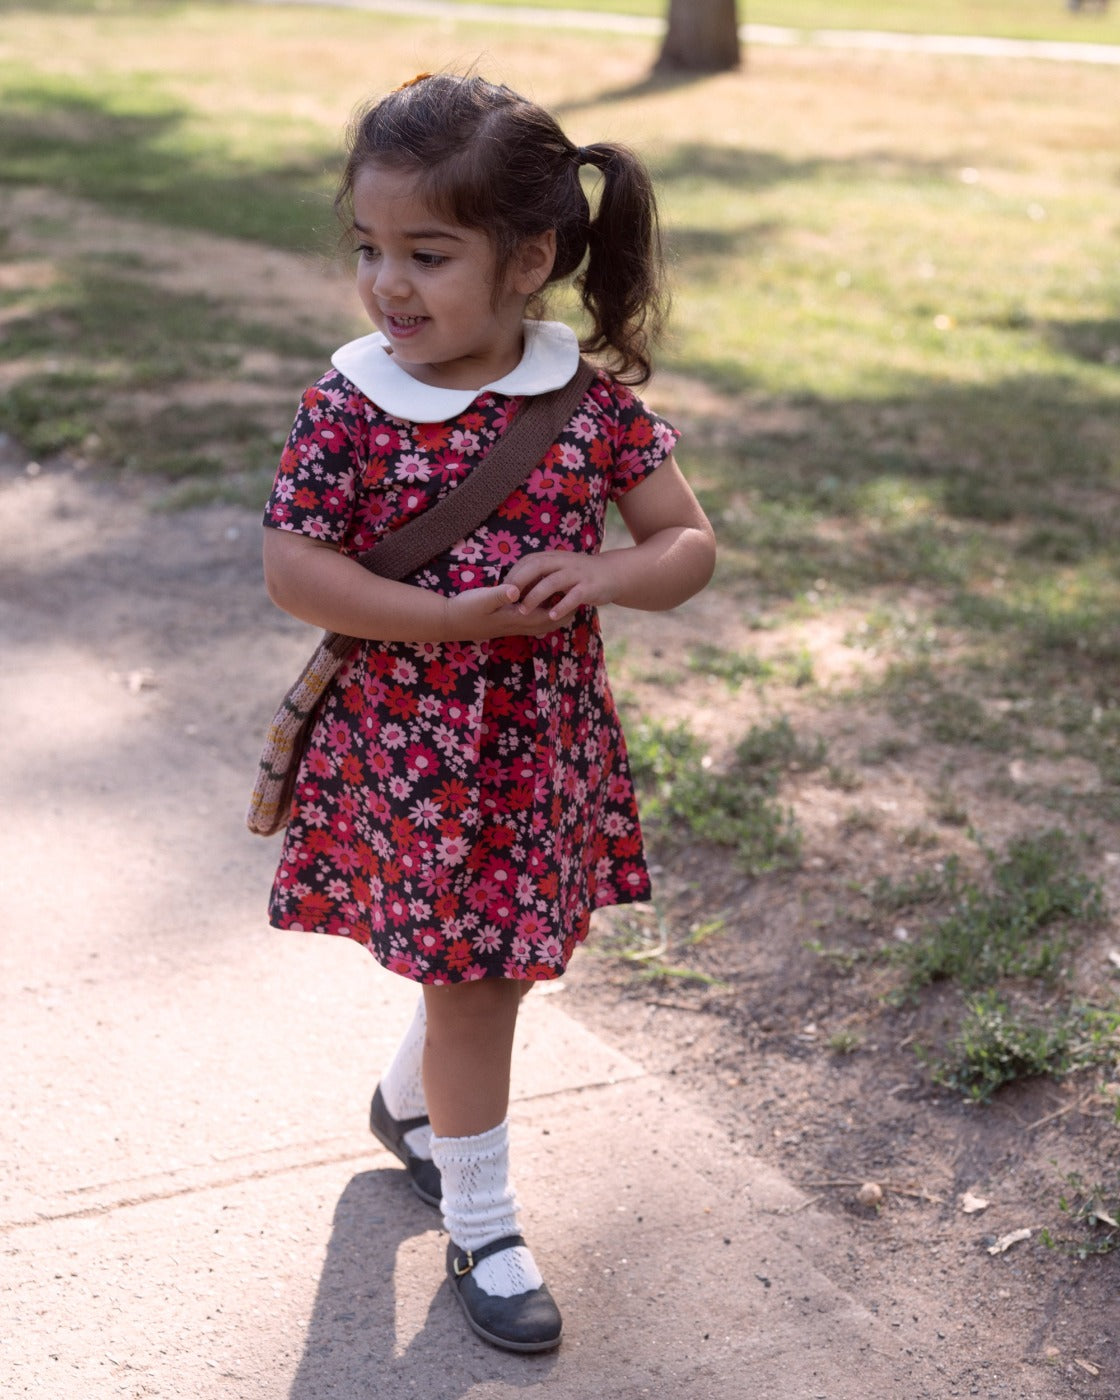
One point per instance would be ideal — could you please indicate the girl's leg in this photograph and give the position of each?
(467, 1054)
(400, 1099)
(466, 1078)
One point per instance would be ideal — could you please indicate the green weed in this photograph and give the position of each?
(859, 820)
(844, 1042)
(731, 666)
(843, 960)
(884, 750)
(928, 886)
(656, 971)
(1095, 1211)
(843, 779)
(706, 929)
(998, 1044)
(53, 412)
(1016, 924)
(946, 808)
(768, 750)
(915, 691)
(735, 807)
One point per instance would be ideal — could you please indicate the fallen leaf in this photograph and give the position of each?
(970, 1204)
(1087, 1366)
(1006, 1241)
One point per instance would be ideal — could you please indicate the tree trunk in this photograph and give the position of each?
(703, 37)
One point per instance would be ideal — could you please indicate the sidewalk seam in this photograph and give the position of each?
(170, 1193)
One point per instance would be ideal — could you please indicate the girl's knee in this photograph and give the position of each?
(491, 999)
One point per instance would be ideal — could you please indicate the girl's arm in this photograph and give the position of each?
(673, 556)
(311, 580)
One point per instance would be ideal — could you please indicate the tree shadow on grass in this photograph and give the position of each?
(742, 167)
(698, 245)
(655, 84)
(140, 344)
(1095, 342)
(132, 162)
(1032, 440)
(1001, 501)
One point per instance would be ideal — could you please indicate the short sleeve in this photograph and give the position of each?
(315, 490)
(642, 440)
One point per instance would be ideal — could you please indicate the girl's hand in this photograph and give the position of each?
(481, 614)
(557, 582)
(672, 557)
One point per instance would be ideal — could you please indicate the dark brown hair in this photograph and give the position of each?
(488, 159)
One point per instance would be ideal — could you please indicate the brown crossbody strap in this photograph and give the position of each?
(508, 463)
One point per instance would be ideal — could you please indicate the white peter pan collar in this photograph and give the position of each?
(548, 361)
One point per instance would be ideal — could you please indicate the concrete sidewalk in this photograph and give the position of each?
(191, 1204)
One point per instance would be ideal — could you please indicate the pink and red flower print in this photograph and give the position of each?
(462, 807)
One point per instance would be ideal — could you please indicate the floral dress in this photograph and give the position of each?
(462, 806)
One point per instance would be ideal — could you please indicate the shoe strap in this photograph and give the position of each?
(406, 1125)
(465, 1260)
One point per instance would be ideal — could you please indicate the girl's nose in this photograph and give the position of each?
(390, 280)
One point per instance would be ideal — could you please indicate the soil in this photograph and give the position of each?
(803, 1057)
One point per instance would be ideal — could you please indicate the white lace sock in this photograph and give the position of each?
(402, 1084)
(479, 1206)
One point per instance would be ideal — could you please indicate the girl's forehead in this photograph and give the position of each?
(394, 196)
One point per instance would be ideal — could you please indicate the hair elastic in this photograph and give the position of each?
(583, 156)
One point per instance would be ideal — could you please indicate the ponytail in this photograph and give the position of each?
(622, 286)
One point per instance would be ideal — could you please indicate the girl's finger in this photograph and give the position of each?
(501, 596)
(539, 595)
(565, 605)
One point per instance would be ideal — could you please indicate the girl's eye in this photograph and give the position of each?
(364, 250)
(430, 259)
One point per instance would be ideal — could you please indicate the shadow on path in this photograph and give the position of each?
(384, 1322)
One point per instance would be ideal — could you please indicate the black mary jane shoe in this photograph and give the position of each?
(526, 1322)
(390, 1132)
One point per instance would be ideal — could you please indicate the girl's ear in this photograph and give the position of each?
(533, 263)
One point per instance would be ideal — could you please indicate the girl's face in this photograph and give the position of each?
(429, 285)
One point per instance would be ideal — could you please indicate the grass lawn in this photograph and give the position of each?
(895, 349)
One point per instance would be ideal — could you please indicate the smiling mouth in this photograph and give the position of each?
(404, 323)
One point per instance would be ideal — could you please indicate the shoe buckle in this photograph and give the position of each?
(458, 1260)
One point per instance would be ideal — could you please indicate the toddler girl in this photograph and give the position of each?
(465, 801)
